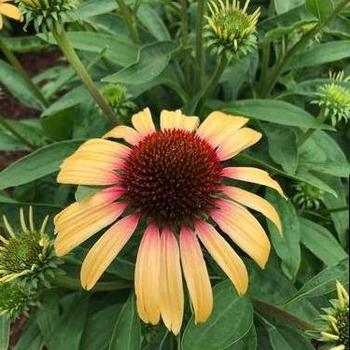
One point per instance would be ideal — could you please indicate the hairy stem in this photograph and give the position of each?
(74, 60)
(130, 20)
(16, 64)
(199, 43)
(276, 72)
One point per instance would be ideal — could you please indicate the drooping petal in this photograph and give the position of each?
(130, 135)
(253, 175)
(196, 275)
(243, 229)
(254, 202)
(238, 142)
(224, 255)
(176, 120)
(10, 11)
(81, 220)
(147, 276)
(106, 249)
(143, 122)
(171, 288)
(94, 163)
(219, 127)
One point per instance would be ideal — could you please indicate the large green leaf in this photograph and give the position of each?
(22, 44)
(4, 332)
(283, 6)
(31, 338)
(320, 54)
(320, 9)
(14, 82)
(248, 342)
(321, 242)
(42, 162)
(153, 59)
(273, 111)
(324, 282)
(287, 245)
(215, 334)
(127, 329)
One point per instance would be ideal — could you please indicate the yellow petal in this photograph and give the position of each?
(147, 276)
(10, 11)
(224, 255)
(219, 127)
(1, 22)
(176, 120)
(253, 175)
(196, 275)
(143, 122)
(130, 135)
(106, 249)
(243, 229)
(254, 202)
(171, 289)
(238, 142)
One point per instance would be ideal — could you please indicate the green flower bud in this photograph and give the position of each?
(47, 14)
(15, 299)
(334, 98)
(27, 254)
(307, 196)
(230, 29)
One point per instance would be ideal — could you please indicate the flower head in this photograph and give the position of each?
(9, 10)
(335, 329)
(15, 299)
(118, 99)
(307, 196)
(230, 29)
(47, 14)
(334, 97)
(26, 254)
(172, 182)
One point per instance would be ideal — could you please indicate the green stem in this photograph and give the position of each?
(130, 20)
(72, 57)
(67, 282)
(16, 64)
(199, 43)
(184, 39)
(213, 81)
(6, 125)
(297, 46)
(321, 118)
(336, 210)
(274, 311)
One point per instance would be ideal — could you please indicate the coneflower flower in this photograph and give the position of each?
(9, 10)
(173, 181)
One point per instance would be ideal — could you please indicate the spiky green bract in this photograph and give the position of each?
(27, 254)
(230, 30)
(307, 196)
(48, 15)
(16, 299)
(333, 330)
(119, 100)
(334, 98)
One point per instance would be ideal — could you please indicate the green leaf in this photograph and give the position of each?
(329, 168)
(23, 44)
(321, 9)
(321, 242)
(31, 338)
(71, 325)
(248, 342)
(320, 54)
(287, 245)
(95, 7)
(18, 87)
(10, 143)
(99, 328)
(324, 282)
(215, 334)
(127, 329)
(4, 332)
(273, 111)
(283, 6)
(153, 59)
(85, 191)
(153, 22)
(42, 162)
(286, 156)
(59, 126)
